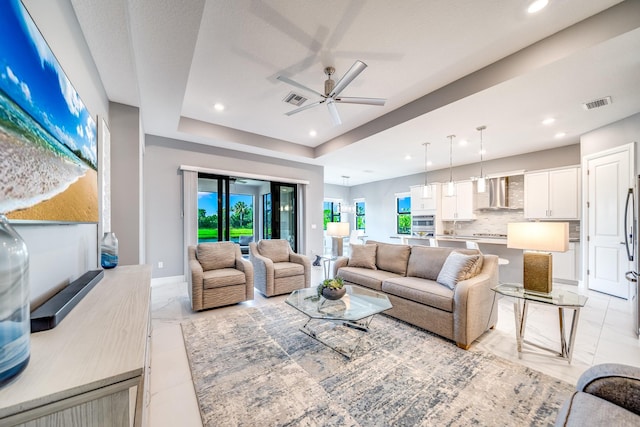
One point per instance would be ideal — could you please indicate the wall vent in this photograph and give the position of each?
(295, 99)
(597, 103)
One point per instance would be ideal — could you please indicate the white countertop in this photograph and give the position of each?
(479, 240)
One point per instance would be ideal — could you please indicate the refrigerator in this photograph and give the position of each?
(632, 243)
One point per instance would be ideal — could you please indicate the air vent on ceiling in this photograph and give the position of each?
(597, 103)
(295, 99)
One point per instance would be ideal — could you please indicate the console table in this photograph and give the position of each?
(558, 298)
(91, 369)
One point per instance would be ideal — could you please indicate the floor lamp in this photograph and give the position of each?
(538, 239)
(338, 231)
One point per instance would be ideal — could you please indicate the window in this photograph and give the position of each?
(403, 214)
(360, 215)
(331, 213)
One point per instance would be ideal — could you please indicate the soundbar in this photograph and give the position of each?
(49, 314)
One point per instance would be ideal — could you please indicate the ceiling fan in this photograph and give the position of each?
(332, 92)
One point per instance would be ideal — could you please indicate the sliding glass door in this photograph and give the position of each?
(226, 210)
(213, 208)
(283, 213)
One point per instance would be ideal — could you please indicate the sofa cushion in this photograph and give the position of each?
(287, 269)
(365, 277)
(392, 257)
(363, 256)
(222, 277)
(423, 291)
(426, 262)
(213, 256)
(275, 250)
(458, 267)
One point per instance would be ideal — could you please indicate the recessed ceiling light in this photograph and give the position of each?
(463, 142)
(407, 157)
(561, 134)
(537, 6)
(429, 163)
(313, 133)
(218, 107)
(483, 152)
(548, 121)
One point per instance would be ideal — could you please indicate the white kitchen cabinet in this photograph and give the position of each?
(552, 194)
(565, 264)
(461, 206)
(423, 205)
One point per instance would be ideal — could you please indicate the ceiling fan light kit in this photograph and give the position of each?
(332, 91)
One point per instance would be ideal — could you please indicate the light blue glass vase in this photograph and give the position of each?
(109, 250)
(15, 321)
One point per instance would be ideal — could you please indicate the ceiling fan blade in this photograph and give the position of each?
(298, 85)
(306, 107)
(333, 111)
(367, 101)
(353, 72)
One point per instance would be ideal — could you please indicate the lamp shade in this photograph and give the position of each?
(338, 229)
(538, 236)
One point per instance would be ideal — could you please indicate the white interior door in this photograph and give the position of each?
(609, 178)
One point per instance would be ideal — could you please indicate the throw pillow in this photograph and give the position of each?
(457, 267)
(363, 256)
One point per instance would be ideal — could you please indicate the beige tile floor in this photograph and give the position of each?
(604, 335)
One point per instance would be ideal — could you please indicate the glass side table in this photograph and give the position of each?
(560, 298)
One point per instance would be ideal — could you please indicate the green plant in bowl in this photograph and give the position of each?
(334, 286)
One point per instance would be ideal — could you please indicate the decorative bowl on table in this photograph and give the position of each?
(332, 289)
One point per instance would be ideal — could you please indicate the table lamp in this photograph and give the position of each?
(337, 231)
(538, 239)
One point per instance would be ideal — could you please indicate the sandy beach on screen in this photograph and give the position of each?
(79, 203)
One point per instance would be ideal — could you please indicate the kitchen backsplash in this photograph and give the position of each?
(495, 221)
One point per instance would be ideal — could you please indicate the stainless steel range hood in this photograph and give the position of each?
(498, 193)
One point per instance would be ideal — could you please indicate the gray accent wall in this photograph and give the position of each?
(163, 194)
(126, 182)
(619, 133)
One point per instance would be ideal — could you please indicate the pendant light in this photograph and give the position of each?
(426, 189)
(481, 184)
(451, 186)
(346, 208)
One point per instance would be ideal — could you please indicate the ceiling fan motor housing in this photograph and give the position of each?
(329, 84)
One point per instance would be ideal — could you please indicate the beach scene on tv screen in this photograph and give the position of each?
(48, 153)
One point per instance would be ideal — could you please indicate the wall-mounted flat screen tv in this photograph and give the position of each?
(48, 154)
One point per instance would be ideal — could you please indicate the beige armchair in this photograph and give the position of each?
(219, 275)
(278, 270)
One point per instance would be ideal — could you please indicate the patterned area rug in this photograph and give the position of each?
(255, 367)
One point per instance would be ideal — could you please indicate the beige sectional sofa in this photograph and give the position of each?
(444, 290)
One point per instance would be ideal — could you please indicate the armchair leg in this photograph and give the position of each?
(463, 346)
